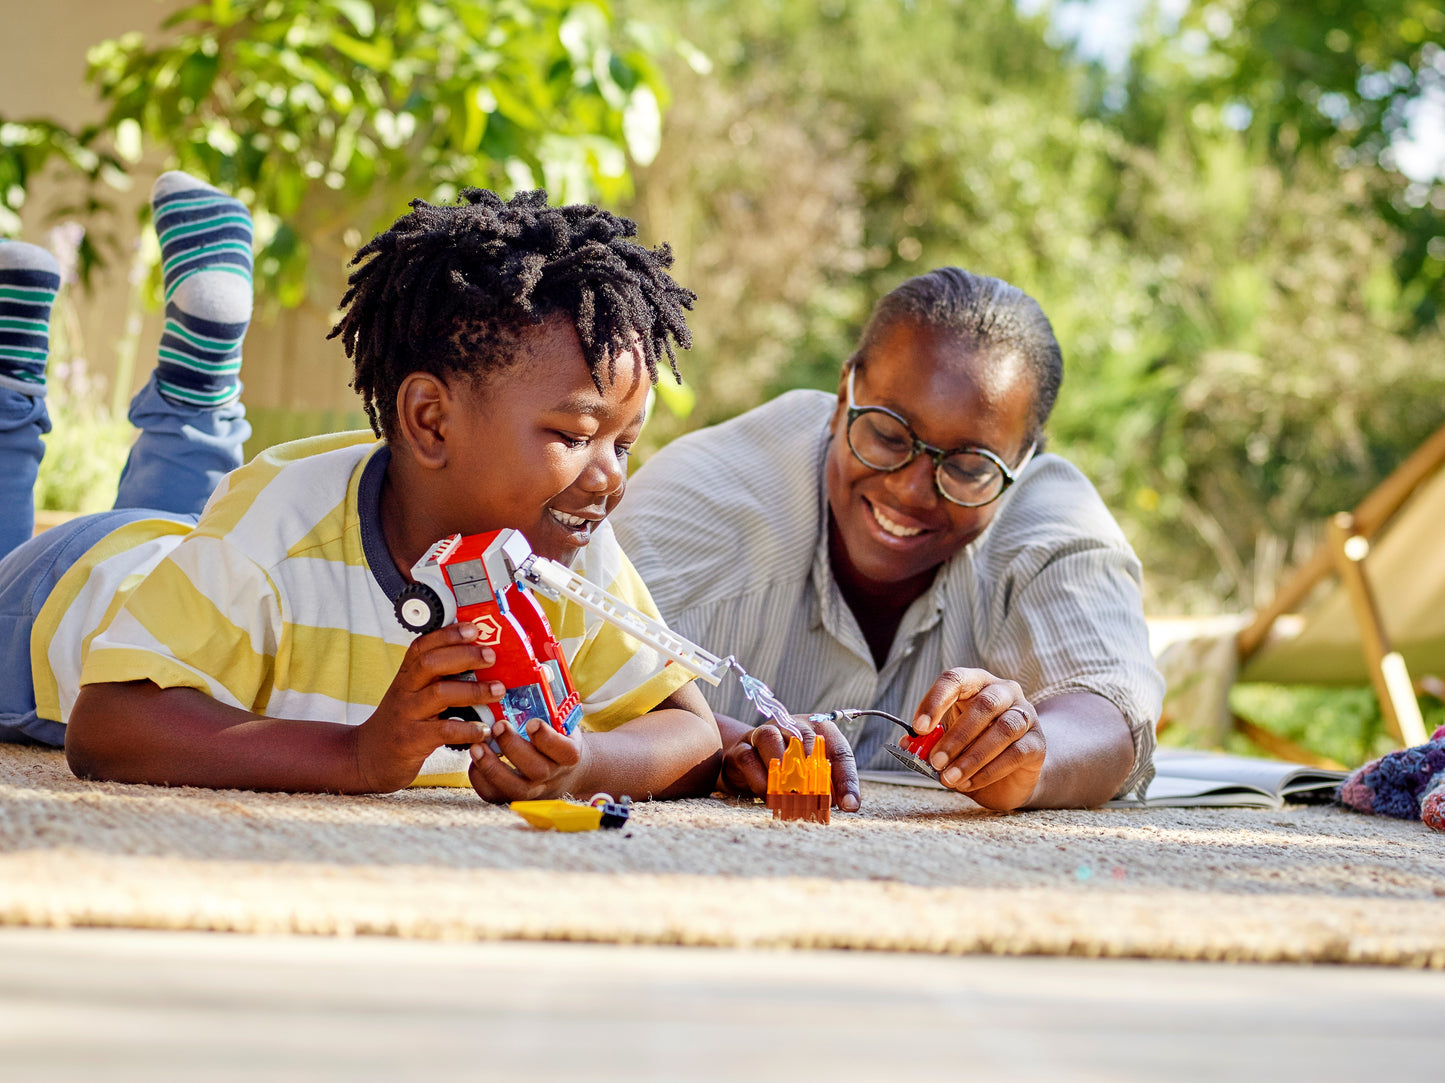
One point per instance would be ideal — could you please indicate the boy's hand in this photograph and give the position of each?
(405, 728)
(544, 766)
(993, 748)
(746, 753)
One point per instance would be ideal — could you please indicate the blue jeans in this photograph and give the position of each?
(178, 458)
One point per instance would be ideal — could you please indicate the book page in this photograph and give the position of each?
(1175, 790)
(1271, 776)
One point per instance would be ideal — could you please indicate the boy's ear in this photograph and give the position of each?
(424, 408)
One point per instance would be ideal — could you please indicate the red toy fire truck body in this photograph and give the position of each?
(471, 579)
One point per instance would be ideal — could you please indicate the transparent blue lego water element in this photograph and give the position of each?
(768, 705)
(522, 703)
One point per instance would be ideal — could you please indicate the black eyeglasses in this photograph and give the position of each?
(968, 476)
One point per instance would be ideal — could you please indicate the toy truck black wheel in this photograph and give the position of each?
(419, 609)
(466, 714)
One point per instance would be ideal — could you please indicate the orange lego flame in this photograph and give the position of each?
(820, 779)
(796, 773)
(801, 787)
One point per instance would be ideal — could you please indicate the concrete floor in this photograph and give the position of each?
(123, 1005)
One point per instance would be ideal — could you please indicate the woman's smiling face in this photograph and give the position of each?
(892, 530)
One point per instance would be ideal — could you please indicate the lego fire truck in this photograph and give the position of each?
(489, 579)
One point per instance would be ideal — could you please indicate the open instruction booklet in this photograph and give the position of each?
(1187, 777)
(1184, 777)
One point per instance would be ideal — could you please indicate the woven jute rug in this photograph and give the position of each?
(916, 870)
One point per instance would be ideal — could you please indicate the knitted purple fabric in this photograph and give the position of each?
(1432, 808)
(1398, 784)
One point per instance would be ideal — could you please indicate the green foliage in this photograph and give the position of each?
(1342, 723)
(1297, 360)
(26, 147)
(328, 115)
(831, 150)
(1282, 59)
(90, 436)
(276, 426)
(87, 446)
(1333, 81)
(1243, 357)
(1277, 381)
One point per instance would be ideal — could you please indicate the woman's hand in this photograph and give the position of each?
(992, 748)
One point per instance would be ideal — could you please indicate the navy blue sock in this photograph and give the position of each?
(205, 240)
(29, 277)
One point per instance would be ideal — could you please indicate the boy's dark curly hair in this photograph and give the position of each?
(449, 290)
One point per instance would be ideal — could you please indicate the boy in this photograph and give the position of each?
(504, 352)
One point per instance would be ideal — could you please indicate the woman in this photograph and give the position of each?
(907, 545)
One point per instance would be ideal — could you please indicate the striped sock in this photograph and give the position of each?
(206, 265)
(29, 277)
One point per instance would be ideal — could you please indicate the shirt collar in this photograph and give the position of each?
(368, 511)
(829, 608)
(831, 611)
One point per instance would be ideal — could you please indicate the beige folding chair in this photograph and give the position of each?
(1368, 606)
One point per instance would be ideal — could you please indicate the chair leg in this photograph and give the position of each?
(1282, 747)
(1387, 668)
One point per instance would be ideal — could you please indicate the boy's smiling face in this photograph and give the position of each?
(533, 446)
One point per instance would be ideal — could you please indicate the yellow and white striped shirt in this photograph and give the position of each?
(269, 604)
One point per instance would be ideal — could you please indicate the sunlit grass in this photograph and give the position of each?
(1344, 724)
(87, 445)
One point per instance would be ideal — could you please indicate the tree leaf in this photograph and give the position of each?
(128, 140)
(642, 125)
(378, 57)
(359, 13)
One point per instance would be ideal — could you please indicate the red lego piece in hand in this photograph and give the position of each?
(467, 579)
(922, 745)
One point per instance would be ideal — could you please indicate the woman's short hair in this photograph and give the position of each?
(987, 315)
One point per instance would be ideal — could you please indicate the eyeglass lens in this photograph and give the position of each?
(884, 442)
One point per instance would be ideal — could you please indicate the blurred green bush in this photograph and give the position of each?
(1342, 723)
(87, 445)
